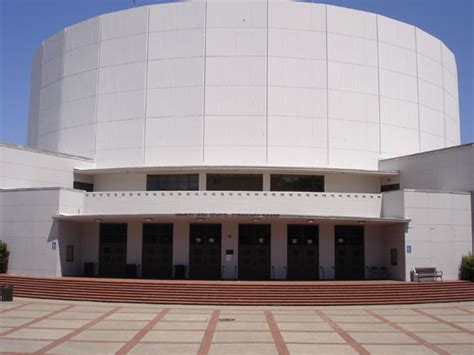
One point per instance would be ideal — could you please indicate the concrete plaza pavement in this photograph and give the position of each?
(60, 327)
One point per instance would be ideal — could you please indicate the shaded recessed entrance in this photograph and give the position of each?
(254, 251)
(349, 249)
(157, 251)
(113, 249)
(303, 252)
(205, 251)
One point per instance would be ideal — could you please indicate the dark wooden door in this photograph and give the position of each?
(157, 251)
(254, 252)
(205, 251)
(113, 249)
(303, 252)
(349, 249)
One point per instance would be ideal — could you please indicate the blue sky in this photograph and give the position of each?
(25, 23)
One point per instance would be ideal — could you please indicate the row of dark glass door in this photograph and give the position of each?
(254, 251)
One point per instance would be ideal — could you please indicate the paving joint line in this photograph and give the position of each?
(209, 333)
(465, 310)
(342, 333)
(36, 320)
(276, 334)
(75, 332)
(408, 333)
(15, 307)
(441, 320)
(141, 334)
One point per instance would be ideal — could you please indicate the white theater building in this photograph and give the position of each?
(240, 140)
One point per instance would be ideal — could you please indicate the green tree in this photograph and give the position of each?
(467, 267)
(4, 254)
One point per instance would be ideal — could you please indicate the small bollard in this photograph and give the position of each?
(7, 293)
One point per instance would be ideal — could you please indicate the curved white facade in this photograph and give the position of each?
(251, 83)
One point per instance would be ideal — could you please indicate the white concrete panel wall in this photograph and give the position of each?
(24, 168)
(26, 225)
(352, 77)
(27, 228)
(122, 77)
(445, 170)
(394, 238)
(175, 84)
(230, 240)
(250, 82)
(70, 233)
(223, 202)
(297, 84)
(439, 232)
(35, 90)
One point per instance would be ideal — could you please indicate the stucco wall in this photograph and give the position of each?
(439, 232)
(445, 169)
(27, 226)
(249, 83)
(24, 168)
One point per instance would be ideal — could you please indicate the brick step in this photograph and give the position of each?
(240, 292)
(231, 284)
(118, 294)
(364, 287)
(139, 297)
(260, 293)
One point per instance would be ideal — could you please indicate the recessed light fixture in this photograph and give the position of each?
(200, 219)
(148, 219)
(256, 219)
(98, 220)
(310, 220)
(361, 222)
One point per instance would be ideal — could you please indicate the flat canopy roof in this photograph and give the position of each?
(204, 217)
(231, 169)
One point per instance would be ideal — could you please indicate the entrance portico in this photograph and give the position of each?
(236, 247)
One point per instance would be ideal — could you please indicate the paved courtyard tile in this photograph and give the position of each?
(61, 327)
(165, 349)
(74, 347)
(399, 349)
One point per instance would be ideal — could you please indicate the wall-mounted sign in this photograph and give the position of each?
(393, 256)
(70, 253)
(228, 257)
(408, 249)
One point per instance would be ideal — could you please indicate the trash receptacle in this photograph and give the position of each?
(131, 271)
(180, 272)
(89, 269)
(7, 293)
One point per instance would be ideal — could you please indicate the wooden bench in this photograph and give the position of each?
(427, 273)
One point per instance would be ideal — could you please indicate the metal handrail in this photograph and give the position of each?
(323, 273)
